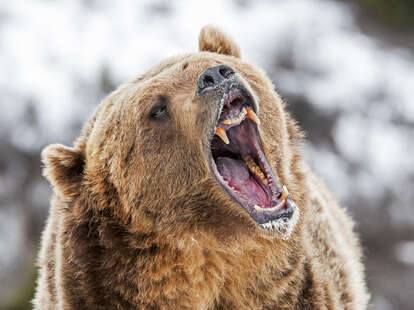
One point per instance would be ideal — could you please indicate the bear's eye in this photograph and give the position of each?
(159, 111)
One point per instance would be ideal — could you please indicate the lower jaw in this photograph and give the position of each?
(267, 215)
(281, 222)
(283, 227)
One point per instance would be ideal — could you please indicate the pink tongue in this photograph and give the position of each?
(236, 173)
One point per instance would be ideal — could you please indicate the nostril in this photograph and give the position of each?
(225, 72)
(214, 76)
(208, 80)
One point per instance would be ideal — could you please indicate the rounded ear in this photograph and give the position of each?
(211, 39)
(63, 167)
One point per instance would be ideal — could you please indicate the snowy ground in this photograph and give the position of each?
(352, 93)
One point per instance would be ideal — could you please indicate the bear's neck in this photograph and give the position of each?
(190, 269)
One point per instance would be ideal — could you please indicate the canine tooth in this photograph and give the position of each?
(253, 116)
(222, 134)
(285, 193)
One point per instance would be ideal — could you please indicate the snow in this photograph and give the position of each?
(11, 232)
(48, 47)
(405, 252)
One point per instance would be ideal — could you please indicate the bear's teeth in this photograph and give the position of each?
(253, 116)
(254, 168)
(285, 193)
(222, 134)
(275, 208)
(237, 119)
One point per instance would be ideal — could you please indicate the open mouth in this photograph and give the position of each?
(240, 165)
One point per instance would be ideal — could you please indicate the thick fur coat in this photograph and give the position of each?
(138, 221)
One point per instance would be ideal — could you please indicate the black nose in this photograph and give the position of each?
(214, 76)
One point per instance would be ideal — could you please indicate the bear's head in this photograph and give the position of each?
(200, 142)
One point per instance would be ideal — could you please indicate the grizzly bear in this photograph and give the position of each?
(187, 189)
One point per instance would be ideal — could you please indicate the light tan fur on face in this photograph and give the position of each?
(138, 221)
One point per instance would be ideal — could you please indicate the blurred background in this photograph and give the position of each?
(346, 69)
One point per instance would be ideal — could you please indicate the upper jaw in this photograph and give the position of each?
(238, 162)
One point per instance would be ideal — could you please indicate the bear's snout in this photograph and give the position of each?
(214, 76)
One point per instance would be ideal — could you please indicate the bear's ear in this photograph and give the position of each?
(63, 168)
(212, 39)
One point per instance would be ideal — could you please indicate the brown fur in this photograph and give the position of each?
(138, 221)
